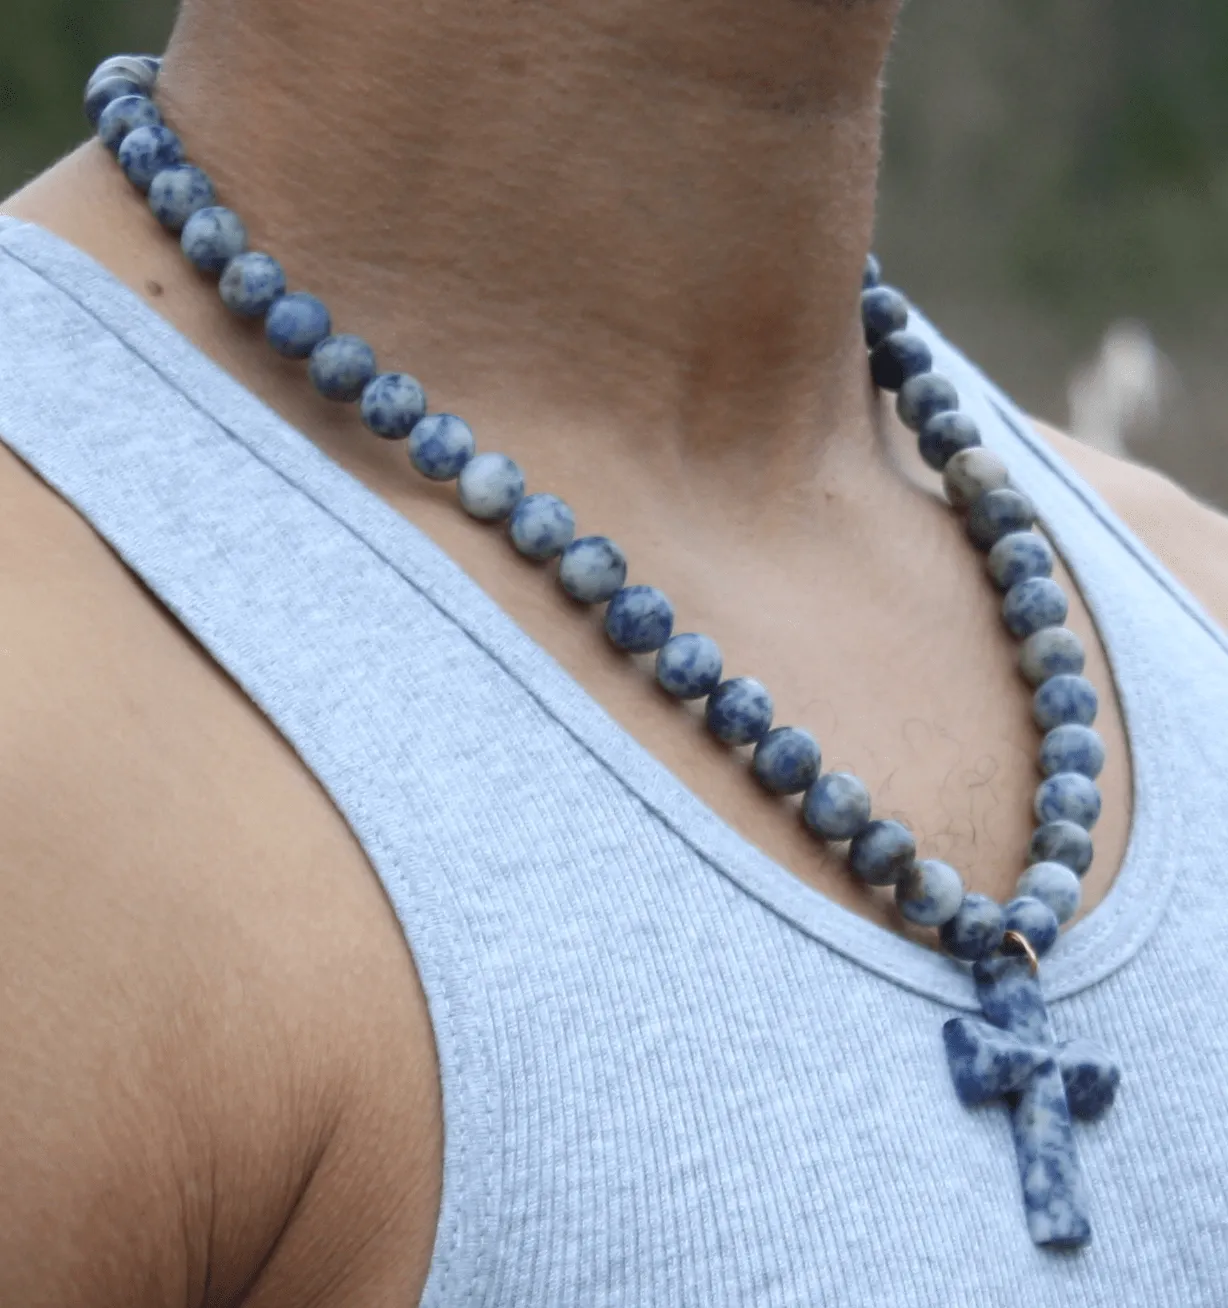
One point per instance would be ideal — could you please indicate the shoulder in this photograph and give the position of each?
(1188, 537)
(217, 1065)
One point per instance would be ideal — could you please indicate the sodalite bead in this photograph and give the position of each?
(689, 665)
(439, 445)
(1062, 842)
(837, 806)
(1034, 604)
(176, 193)
(103, 91)
(341, 366)
(970, 474)
(1055, 885)
(739, 711)
(145, 151)
(882, 852)
(639, 619)
(251, 283)
(872, 274)
(996, 514)
(296, 324)
(924, 397)
(392, 406)
(931, 894)
(1065, 699)
(787, 760)
(1036, 922)
(944, 436)
(1053, 652)
(490, 486)
(125, 115)
(976, 930)
(541, 526)
(141, 70)
(593, 569)
(212, 236)
(1072, 748)
(898, 357)
(1070, 797)
(883, 311)
(1019, 556)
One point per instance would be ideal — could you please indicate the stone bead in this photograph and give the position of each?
(976, 930)
(898, 357)
(125, 115)
(1055, 885)
(341, 366)
(872, 274)
(541, 526)
(996, 514)
(251, 283)
(490, 486)
(1019, 556)
(296, 324)
(882, 852)
(392, 406)
(924, 397)
(787, 760)
(945, 435)
(1035, 921)
(883, 311)
(1034, 604)
(103, 91)
(1064, 699)
(972, 473)
(1072, 748)
(931, 894)
(689, 666)
(1052, 652)
(592, 569)
(439, 445)
(141, 70)
(176, 193)
(739, 711)
(145, 151)
(212, 237)
(1062, 842)
(1070, 797)
(639, 619)
(837, 806)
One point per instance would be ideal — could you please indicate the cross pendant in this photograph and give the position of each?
(1014, 1057)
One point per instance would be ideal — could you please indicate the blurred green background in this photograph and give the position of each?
(1053, 167)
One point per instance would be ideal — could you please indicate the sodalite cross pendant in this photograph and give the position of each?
(1013, 1056)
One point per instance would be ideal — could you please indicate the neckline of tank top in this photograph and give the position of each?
(1093, 948)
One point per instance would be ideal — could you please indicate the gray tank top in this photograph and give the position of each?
(674, 1076)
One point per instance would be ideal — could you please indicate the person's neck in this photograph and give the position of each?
(664, 209)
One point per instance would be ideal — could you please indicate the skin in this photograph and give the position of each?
(624, 239)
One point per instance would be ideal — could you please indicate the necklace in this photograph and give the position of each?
(1012, 1054)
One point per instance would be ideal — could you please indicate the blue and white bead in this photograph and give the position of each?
(1032, 605)
(998, 513)
(1036, 922)
(739, 711)
(976, 930)
(541, 526)
(140, 71)
(1062, 841)
(883, 852)
(1019, 556)
(1064, 699)
(296, 324)
(972, 473)
(1069, 797)
(103, 90)
(786, 760)
(837, 806)
(931, 894)
(898, 357)
(1052, 652)
(212, 237)
(883, 311)
(639, 619)
(440, 445)
(872, 274)
(924, 397)
(341, 366)
(392, 405)
(593, 569)
(1055, 885)
(490, 486)
(945, 435)
(689, 666)
(146, 151)
(251, 283)
(176, 193)
(1072, 747)
(125, 115)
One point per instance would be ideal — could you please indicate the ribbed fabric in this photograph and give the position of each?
(674, 1076)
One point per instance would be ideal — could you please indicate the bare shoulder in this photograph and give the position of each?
(219, 1081)
(1190, 538)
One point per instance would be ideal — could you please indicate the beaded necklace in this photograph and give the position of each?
(1012, 1055)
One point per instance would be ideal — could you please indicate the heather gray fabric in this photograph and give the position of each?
(674, 1076)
